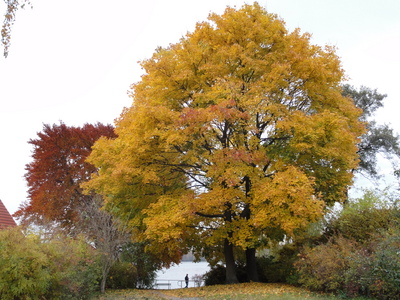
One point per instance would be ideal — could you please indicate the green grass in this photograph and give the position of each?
(252, 291)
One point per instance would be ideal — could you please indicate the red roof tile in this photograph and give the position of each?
(5, 218)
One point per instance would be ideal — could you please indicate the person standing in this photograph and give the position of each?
(187, 280)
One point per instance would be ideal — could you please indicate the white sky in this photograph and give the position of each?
(74, 60)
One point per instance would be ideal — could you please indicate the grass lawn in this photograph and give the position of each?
(254, 291)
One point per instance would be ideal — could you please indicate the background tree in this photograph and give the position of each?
(56, 172)
(379, 139)
(106, 232)
(55, 196)
(8, 22)
(238, 130)
(56, 199)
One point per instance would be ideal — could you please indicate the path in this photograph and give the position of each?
(161, 294)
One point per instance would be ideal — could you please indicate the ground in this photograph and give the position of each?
(244, 291)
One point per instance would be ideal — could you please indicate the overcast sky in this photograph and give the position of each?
(74, 60)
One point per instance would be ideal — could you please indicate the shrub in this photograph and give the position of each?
(362, 254)
(62, 268)
(278, 269)
(270, 269)
(141, 266)
(362, 217)
(217, 274)
(122, 275)
(375, 269)
(24, 270)
(323, 267)
(383, 277)
(342, 266)
(74, 266)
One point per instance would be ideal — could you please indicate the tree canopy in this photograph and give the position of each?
(236, 132)
(57, 170)
(54, 177)
(379, 139)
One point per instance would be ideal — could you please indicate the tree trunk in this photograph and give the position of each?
(103, 285)
(230, 263)
(251, 265)
(105, 270)
(106, 262)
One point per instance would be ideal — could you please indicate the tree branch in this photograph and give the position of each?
(209, 215)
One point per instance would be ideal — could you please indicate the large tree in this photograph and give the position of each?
(58, 168)
(237, 131)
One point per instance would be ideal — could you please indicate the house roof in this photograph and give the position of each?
(5, 218)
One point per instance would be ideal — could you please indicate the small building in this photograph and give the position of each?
(6, 220)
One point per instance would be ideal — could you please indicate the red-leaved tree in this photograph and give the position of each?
(58, 168)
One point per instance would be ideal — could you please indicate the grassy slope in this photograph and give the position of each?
(256, 291)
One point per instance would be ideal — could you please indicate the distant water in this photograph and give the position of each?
(175, 275)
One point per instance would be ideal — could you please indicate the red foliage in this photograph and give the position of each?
(58, 168)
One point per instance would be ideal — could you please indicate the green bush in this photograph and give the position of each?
(24, 269)
(122, 275)
(135, 268)
(379, 272)
(61, 268)
(278, 269)
(217, 274)
(75, 269)
(363, 217)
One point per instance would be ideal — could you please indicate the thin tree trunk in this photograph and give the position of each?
(251, 265)
(105, 270)
(103, 285)
(230, 263)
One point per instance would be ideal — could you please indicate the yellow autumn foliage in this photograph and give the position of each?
(255, 291)
(238, 128)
